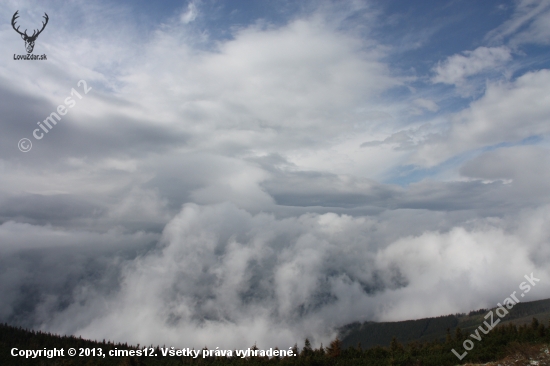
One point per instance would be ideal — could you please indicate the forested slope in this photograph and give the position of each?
(370, 334)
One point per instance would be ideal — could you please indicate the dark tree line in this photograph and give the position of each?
(498, 343)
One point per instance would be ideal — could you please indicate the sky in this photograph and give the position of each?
(229, 173)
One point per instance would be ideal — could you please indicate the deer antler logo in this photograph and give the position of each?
(29, 40)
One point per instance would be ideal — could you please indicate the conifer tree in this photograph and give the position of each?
(395, 346)
(334, 349)
(535, 324)
(307, 350)
(459, 336)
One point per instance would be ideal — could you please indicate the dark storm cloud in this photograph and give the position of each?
(44, 269)
(327, 190)
(53, 209)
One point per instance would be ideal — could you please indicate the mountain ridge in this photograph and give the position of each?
(370, 334)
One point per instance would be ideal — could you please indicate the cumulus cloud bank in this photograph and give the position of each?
(222, 276)
(238, 177)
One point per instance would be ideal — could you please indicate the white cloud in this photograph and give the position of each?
(455, 69)
(190, 14)
(509, 112)
(427, 104)
(528, 24)
(293, 79)
(274, 281)
(538, 31)
(421, 105)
